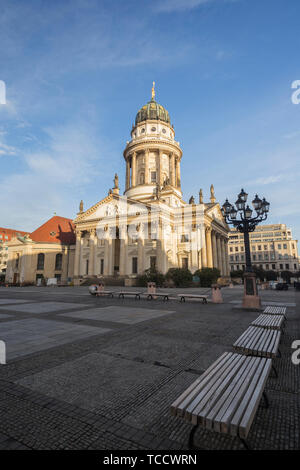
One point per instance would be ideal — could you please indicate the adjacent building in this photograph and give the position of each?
(6, 234)
(48, 252)
(272, 248)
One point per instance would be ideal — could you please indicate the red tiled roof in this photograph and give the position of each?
(55, 230)
(11, 233)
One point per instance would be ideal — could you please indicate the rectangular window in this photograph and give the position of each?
(185, 263)
(184, 238)
(284, 246)
(273, 266)
(281, 266)
(287, 266)
(265, 247)
(87, 267)
(236, 248)
(134, 265)
(279, 246)
(101, 266)
(153, 176)
(153, 262)
(259, 247)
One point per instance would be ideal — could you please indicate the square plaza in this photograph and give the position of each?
(103, 373)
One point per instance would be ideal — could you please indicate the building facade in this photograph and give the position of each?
(48, 252)
(272, 248)
(150, 225)
(6, 234)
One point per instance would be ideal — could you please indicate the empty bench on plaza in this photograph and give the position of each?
(102, 293)
(193, 296)
(274, 310)
(122, 294)
(270, 322)
(164, 295)
(226, 397)
(257, 341)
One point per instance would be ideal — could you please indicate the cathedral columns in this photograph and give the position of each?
(133, 169)
(214, 249)
(147, 166)
(172, 169)
(219, 255)
(127, 174)
(141, 247)
(77, 254)
(203, 248)
(178, 183)
(123, 250)
(92, 242)
(159, 178)
(208, 239)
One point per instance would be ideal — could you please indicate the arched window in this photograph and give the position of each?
(58, 262)
(40, 261)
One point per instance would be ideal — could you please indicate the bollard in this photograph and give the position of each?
(151, 288)
(216, 295)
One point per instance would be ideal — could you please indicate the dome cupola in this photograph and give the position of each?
(153, 111)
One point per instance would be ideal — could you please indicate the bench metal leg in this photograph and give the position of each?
(266, 399)
(275, 371)
(245, 444)
(191, 438)
(279, 353)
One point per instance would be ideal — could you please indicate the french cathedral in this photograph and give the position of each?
(150, 225)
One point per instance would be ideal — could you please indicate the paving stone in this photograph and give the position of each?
(119, 314)
(43, 307)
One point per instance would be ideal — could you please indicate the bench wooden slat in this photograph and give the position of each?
(180, 400)
(258, 341)
(213, 419)
(226, 397)
(244, 415)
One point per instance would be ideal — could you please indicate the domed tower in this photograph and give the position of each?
(153, 156)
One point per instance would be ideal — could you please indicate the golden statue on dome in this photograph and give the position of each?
(153, 91)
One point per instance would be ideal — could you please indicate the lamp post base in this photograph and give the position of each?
(251, 298)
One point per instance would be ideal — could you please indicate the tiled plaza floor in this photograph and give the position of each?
(97, 373)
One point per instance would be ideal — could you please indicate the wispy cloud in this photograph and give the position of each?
(179, 5)
(51, 178)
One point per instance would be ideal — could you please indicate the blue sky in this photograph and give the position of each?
(76, 73)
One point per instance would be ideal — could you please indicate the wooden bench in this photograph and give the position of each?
(257, 341)
(122, 294)
(164, 295)
(226, 397)
(273, 310)
(271, 322)
(193, 296)
(104, 292)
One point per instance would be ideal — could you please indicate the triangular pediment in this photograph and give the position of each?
(111, 205)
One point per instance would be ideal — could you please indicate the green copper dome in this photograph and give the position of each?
(152, 110)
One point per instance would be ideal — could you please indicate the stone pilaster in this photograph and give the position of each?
(208, 239)
(77, 254)
(133, 169)
(147, 175)
(214, 249)
(92, 241)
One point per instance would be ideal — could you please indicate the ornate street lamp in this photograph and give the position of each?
(245, 224)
